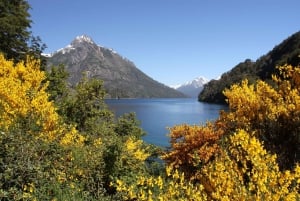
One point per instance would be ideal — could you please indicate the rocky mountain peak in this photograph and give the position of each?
(122, 79)
(192, 88)
(83, 42)
(83, 39)
(197, 82)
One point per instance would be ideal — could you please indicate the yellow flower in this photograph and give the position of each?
(97, 142)
(133, 148)
(23, 95)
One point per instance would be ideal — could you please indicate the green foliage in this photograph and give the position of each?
(14, 24)
(86, 107)
(16, 41)
(26, 164)
(35, 169)
(57, 78)
(212, 91)
(262, 69)
(128, 125)
(36, 48)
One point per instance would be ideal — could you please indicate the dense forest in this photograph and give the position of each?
(286, 52)
(62, 143)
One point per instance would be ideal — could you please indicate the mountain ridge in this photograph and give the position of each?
(193, 87)
(287, 52)
(122, 79)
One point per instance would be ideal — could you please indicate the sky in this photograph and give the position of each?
(172, 41)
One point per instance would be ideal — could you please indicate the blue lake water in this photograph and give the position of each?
(156, 115)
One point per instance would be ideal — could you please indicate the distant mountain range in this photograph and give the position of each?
(192, 88)
(122, 79)
(287, 52)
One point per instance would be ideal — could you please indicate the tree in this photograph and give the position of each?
(86, 107)
(128, 125)
(16, 40)
(57, 88)
(36, 48)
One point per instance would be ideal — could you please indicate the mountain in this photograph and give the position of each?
(121, 77)
(192, 88)
(287, 52)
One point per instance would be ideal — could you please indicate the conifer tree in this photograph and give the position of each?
(16, 40)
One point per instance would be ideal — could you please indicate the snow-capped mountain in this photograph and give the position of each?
(121, 77)
(192, 88)
(78, 41)
(75, 43)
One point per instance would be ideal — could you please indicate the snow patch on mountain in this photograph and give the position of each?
(192, 88)
(84, 38)
(77, 42)
(196, 83)
(64, 50)
(113, 51)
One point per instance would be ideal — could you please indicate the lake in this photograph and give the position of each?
(156, 115)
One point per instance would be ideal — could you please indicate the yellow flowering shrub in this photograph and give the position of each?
(172, 187)
(252, 104)
(243, 170)
(192, 145)
(20, 89)
(234, 157)
(270, 112)
(246, 171)
(131, 159)
(24, 100)
(133, 149)
(72, 137)
(44, 156)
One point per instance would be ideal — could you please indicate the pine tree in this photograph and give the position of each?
(16, 40)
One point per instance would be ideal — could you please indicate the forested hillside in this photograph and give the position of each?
(285, 53)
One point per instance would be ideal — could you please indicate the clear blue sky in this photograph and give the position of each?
(172, 41)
